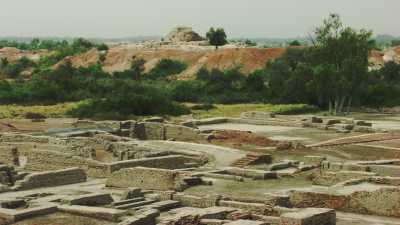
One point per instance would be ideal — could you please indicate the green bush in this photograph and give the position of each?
(165, 68)
(13, 70)
(131, 98)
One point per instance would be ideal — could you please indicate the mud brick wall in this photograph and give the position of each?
(150, 131)
(195, 201)
(257, 208)
(310, 216)
(332, 178)
(161, 131)
(180, 132)
(164, 162)
(52, 178)
(304, 199)
(386, 170)
(50, 160)
(11, 137)
(104, 170)
(146, 178)
(9, 155)
(382, 202)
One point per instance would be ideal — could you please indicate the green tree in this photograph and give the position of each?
(250, 43)
(102, 47)
(395, 43)
(343, 53)
(295, 43)
(217, 37)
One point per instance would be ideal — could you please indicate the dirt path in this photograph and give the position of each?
(223, 156)
(357, 219)
(365, 138)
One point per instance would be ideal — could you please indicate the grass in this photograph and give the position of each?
(50, 111)
(237, 109)
(251, 188)
(61, 110)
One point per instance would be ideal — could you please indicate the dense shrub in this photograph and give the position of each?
(130, 98)
(13, 70)
(165, 68)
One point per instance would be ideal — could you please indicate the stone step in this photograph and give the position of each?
(164, 206)
(135, 204)
(128, 201)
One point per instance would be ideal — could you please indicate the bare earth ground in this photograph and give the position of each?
(26, 125)
(281, 133)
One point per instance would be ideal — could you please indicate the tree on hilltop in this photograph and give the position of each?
(217, 37)
(295, 43)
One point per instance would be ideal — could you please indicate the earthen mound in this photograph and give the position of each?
(183, 34)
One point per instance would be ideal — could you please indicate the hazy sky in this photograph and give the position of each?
(240, 18)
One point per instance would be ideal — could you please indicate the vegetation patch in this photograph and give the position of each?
(50, 111)
(236, 109)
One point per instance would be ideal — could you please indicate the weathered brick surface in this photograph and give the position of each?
(52, 178)
(9, 155)
(384, 201)
(310, 216)
(304, 199)
(332, 178)
(196, 201)
(95, 212)
(257, 208)
(147, 178)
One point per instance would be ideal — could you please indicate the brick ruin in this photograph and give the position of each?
(138, 173)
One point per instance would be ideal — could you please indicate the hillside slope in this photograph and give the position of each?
(120, 58)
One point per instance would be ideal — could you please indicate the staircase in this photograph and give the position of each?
(249, 159)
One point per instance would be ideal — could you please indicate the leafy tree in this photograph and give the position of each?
(13, 70)
(3, 62)
(81, 45)
(343, 53)
(295, 43)
(395, 43)
(217, 37)
(250, 43)
(102, 47)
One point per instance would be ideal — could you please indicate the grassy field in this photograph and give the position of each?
(61, 110)
(51, 111)
(237, 109)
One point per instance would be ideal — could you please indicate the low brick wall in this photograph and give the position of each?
(50, 179)
(51, 160)
(310, 216)
(196, 201)
(257, 208)
(144, 218)
(163, 131)
(36, 160)
(381, 202)
(146, 178)
(9, 155)
(332, 178)
(163, 162)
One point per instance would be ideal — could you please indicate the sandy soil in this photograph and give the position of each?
(279, 133)
(26, 125)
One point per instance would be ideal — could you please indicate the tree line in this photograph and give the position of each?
(332, 74)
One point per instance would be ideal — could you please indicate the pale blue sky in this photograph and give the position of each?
(241, 18)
